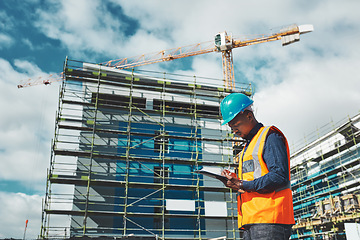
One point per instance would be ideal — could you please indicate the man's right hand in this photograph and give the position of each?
(233, 182)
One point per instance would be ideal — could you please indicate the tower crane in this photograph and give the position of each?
(224, 43)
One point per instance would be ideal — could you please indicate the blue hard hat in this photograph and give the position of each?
(232, 105)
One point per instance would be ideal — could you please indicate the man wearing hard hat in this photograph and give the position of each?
(265, 207)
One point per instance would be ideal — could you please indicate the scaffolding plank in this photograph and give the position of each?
(109, 183)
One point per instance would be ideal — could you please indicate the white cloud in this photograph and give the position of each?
(81, 26)
(143, 42)
(164, 25)
(6, 24)
(205, 67)
(27, 125)
(313, 92)
(6, 21)
(299, 87)
(15, 209)
(5, 41)
(28, 43)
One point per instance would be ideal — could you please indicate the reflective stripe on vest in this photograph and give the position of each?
(257, 166)
(253, 207)
(254, 168)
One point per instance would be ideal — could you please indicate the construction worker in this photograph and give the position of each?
(265, 207)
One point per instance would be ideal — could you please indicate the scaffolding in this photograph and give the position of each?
(124, 153)
(325, 177)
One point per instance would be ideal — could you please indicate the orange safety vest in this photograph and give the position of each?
(254, 207)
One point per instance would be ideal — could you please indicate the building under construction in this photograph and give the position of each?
(127, 145)
(125, 152)
(325, 177)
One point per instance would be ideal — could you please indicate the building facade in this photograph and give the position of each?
(325, 182)
(125, 152)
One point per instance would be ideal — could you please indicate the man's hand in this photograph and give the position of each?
(233, 182)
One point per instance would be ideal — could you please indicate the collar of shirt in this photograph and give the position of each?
(253, 132)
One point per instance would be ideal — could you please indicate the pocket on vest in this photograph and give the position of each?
(248, 166)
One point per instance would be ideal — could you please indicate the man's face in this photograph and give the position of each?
(241, 124)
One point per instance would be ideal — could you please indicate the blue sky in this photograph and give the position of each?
(299, 88)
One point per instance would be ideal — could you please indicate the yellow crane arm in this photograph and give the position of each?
(287, 35)
(223, 43)
(162, 56)
(141, 60)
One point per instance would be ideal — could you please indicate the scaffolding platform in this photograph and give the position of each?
(325, 177)
(124, 155)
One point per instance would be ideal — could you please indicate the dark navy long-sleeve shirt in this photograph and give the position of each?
(275, 157)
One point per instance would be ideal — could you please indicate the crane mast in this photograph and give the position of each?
(224, 43)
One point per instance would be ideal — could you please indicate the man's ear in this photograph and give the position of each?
(249, 115)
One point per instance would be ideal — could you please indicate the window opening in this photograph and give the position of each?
(161, 142)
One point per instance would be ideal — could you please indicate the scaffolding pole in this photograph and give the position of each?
(124, 153)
